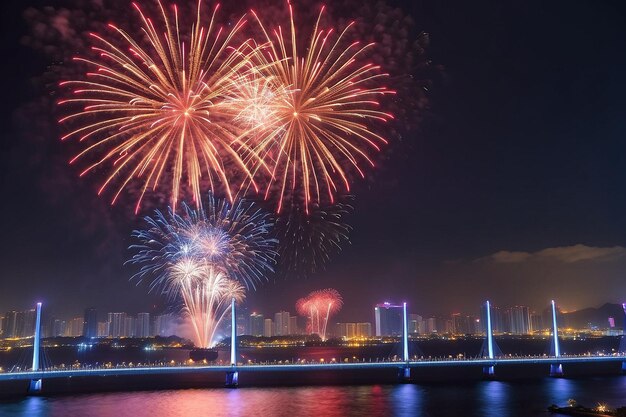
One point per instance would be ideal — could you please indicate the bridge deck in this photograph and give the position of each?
(154, 370)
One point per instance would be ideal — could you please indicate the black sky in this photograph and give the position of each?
(524, 150)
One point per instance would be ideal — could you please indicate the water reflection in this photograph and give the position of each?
(32, 406)
(467, 399)
(494, 399)
(406, 400)
(559, 390)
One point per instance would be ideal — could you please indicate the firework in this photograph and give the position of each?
(205, 258)
(322, 122)
(156, 113)
(318, 307)
(306, 242)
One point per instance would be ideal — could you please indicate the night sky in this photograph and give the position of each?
(513, 188)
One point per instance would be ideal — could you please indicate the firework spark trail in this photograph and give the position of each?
(318, 307)
(205, 258)
(149, 113)
(306, 242)
(322, 128)
(206, 294)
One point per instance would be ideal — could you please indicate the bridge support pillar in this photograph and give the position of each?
(232, 379)
(35, 385)
(404, 374)
(624, 367)
(556, 370)
(489, 371)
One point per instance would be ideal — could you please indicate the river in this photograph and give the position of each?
(521, 398)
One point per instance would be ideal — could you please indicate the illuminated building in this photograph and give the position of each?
(58, 328)
(536, 322)
(10, 324)
(243, 324)
(163, 325)
(268, 328)
(117, 322)
(388, 319)
(129, 326)
(74, 327)
(415, 324)
(463, 324)
(281, 323)
(21, 323)
(364, 329)
(143, 325)
(353, 330)
(103, 329)
(293, 325)
(430, 325)
(518, 320)
(256, 324)
(90, 321)
(346, 330)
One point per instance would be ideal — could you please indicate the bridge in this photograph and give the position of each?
(488, 361)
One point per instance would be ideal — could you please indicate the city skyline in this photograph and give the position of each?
(516, 320)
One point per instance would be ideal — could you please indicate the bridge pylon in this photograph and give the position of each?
(404, 373)
(489, 371)
(35, 384)
(556, 369)
(232, 376)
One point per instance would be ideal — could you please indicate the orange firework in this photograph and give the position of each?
(158, 113)
(321, 121)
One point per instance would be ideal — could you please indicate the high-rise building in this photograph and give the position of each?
(163, 325)
(25, 323)
(91, 323)
(10, 324)
(256, 324)
(103, 329)
(346, 330)
(518, 318)
(430, 325)
(130, 326)
(293, 325)
(353, 330)
(415, 324)
(58, 328)
(463, 324)
(388, 319)
(350, 330)
(117, 323)
(75, 327)
(281, 323)
(143, 325)
(268, 328)
(363, 329)
(536, 322)
(242, 322)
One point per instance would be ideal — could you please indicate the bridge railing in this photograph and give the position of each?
(351, 360)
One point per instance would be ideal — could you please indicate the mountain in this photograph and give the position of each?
(595, 317)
